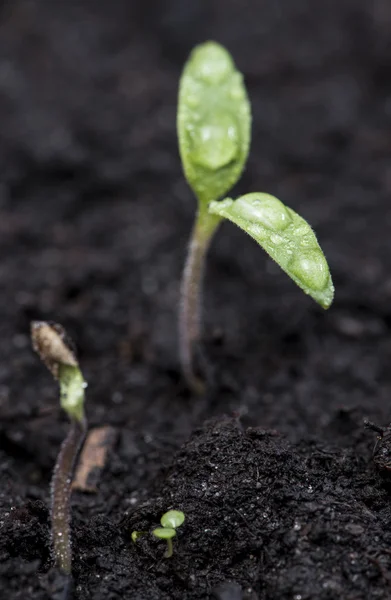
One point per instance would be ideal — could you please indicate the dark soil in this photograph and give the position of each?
(273, 468)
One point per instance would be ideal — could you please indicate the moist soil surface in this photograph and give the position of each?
(272, 467)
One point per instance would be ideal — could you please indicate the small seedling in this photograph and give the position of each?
(50, 342)
(169, 521)
(136, 535)
(214, 123)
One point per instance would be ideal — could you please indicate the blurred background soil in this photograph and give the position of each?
(272, 468)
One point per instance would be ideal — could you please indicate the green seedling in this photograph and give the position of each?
(49, 341)
(169, 521)
(214, 124)
(136, 535)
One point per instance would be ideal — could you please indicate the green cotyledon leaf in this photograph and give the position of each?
(213, 122)
(286, 237)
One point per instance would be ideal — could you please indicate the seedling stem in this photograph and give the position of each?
(169, 552)
(191, 296)
(49, 341)
(61, 495)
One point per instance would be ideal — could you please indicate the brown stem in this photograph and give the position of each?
(61, 494)
(190, 295)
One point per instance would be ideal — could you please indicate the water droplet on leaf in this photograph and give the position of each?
(211, 63)
(310, 268)
(264, 210)
(257, 231)
(215, 144)
(276, 239)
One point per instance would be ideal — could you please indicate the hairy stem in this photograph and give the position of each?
(61, 494)
(190, 295)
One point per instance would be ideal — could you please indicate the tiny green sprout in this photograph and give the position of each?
(214, 126)
(136, 535)
(50, 342)
(169, 521)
